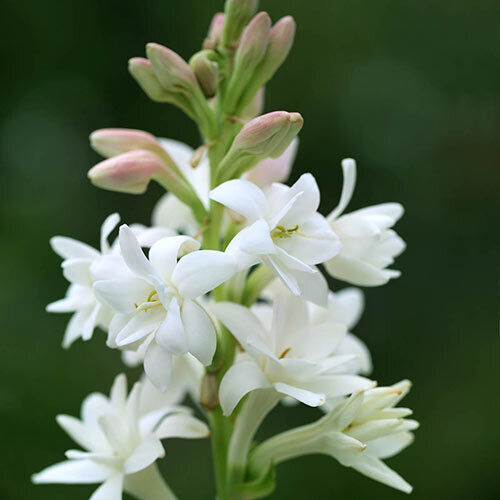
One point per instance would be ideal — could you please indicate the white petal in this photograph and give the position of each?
(348, 304)
(284, 273)
(170, 212)
(376, 469)
(140, 325)
(158, 366)
(306, 205)
(351, 344)
(144, 455)
(243, 377)
(122, 294)
(358, 272)
(312, 286)
(170, 334)
(307, 397)
(76, 429)
(110, 490)
(243, 260)
(68, 248)
(341, 385)
(256, 239)
(200, 332)
(77, 271)
(74, 472)
(164, 253)
(243, 197)
(393, 211)
(118, 393)
(199, 272)
(240, 321)
(133, 254)
(90, 322)
(182, 425)
(107, 228)
(388, 446)
(349, 170)
(74, 329)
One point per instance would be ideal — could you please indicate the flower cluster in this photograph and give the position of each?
(222, 297)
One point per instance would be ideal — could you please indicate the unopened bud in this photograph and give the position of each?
(272, 170)
(238, 13)
(251, 50)
(266, 136)
(128, 172)
(214, 37)
(262, 135)
(172, 71)
(114, 141)
(280, 42)
(206, 71)
(142, 71)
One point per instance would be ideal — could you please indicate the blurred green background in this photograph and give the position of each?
(410, 89)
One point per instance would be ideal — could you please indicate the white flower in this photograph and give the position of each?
(359, 432)
(368, 243)
(344, 307)
(285, 232)
(157, 304)
(82, 266)
(295, 358)
(120, 443)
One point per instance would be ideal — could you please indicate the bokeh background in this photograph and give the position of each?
(410, 89)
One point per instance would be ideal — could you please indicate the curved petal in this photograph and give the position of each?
(165, 252)
(304, 396)
(349, 170)
(199, 272)
(239, 380)
(200, 332)
(77, 271)
(74, 472)
(158, 366)
(122, 294)
(76, 430)
(374, 468)
(133, 254)
(68, 248)
(243, 197)
(346, 305)
(358, 272)
(388, 446)
(170, 212)
(170, 334)
(312, 286)
(110, 490)
(182, 425)
(240, 321)
(145, 454)
(256, 239)
(107, 228)
(306, 205)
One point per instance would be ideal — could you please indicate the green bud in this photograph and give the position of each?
(206, 71)
(266, 136)
(250, 52)
(238, 13)
(280, 42)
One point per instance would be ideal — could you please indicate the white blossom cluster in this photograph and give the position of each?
(222, 297)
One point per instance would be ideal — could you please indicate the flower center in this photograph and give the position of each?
(283, 232)
(152, 301)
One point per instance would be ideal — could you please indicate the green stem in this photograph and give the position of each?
(220, 433)
(258, 404)
(257, 281)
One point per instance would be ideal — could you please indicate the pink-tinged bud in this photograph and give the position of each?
(280, 42)
(206, 71)
(272, 170)
(238, 13)
(263, 135)
(142, 71)
(214, 37)
(128, 172)
(254, 41)
(251, 50)
(172, 71)
(114, 141)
